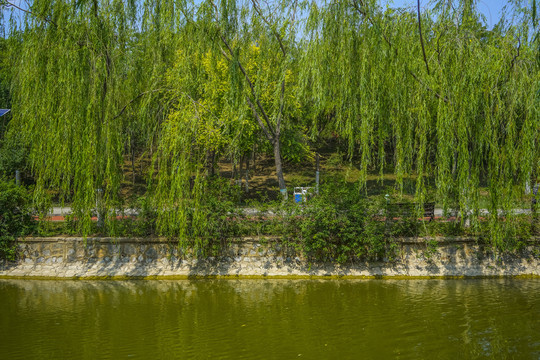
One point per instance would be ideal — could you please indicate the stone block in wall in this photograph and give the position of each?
(71, 253)
(56, 248)
(129, 250)
(80, 251)
(101, 252)
(151, 253)
(113, 249)
(90, 250)
(30, 251)
(163, 250)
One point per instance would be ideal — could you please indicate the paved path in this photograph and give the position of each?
(59, 213)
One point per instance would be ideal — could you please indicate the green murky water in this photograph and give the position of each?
(270, 319)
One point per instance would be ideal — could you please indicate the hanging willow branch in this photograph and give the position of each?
(277, 36)
(360, 8)
(517, 54)
(83, 84)
(44, 18)
(421, 39)
(135, 99)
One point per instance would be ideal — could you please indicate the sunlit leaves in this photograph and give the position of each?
(466, 126)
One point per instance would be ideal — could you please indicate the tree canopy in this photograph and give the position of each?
(431, 93)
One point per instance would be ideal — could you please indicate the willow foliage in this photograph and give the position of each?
(434, 96)
(233, 87)
(80, 67)
(462, 117)
(201, 119)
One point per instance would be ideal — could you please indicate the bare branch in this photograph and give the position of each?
(197, 103)
(276, 35)
(360, 7)
(517, 55)
(261, 124)
(134, 99)
(437, 95)
(250, 84)
(225, 54)
(282, 104)
(10, 4)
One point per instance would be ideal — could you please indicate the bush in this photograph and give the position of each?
(15, 217)
(128, 224)
(13, 155)
(340, 225)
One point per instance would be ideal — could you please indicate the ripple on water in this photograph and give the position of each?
(270, 319)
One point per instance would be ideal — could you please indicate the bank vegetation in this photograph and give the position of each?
(432, 95)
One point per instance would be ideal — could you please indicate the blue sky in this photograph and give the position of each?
(490, 8)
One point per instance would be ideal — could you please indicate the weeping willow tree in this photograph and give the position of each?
(434, 94)
(90, 87)
(258, 46)
(81, 68)
(233, 86)
(201, 120)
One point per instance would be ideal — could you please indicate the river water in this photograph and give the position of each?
(270, 319)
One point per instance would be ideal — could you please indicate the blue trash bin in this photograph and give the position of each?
(298, 196)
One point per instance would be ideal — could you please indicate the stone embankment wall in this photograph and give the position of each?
(150, 258)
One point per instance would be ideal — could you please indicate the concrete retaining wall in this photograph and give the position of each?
(149, 258)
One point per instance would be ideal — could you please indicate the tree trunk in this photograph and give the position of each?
(133, 160)
(279, 168)
(247, 173)
(240, 168)
(211, 158)
(253, 164)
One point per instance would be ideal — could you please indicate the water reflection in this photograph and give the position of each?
(270, 319)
